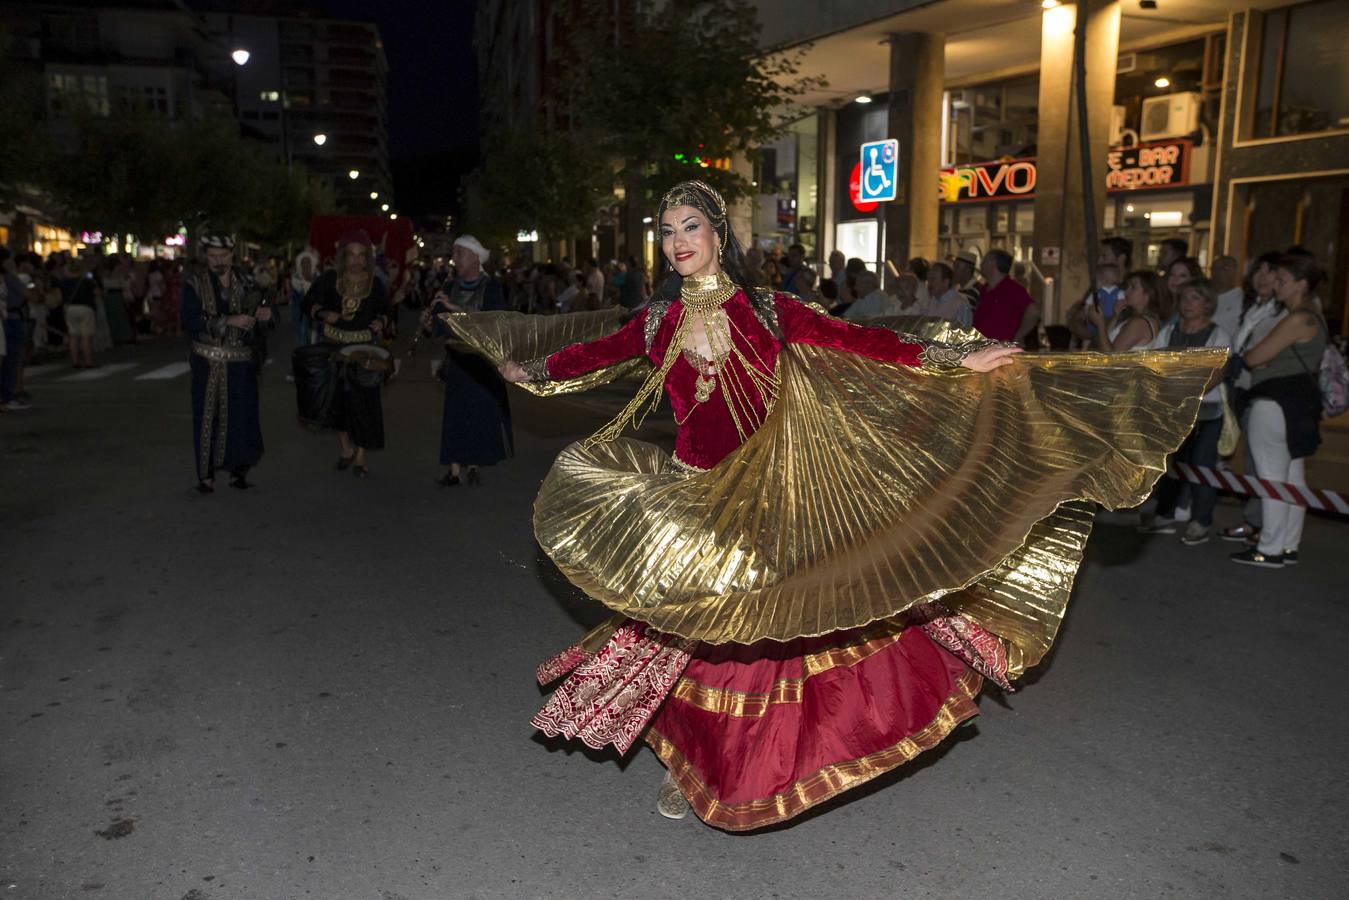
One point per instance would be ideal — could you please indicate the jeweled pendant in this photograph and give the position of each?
(703, 387)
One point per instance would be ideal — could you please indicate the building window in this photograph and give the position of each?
(136, 99)
(71, 94)
(71, 33)
(269, 96)
(992, 121)
(1304, 71)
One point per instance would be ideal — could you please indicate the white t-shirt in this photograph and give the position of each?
(952, 305)
(1228, 312)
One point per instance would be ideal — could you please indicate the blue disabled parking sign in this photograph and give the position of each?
(880, 171)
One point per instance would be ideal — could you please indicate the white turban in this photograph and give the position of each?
(472, 243)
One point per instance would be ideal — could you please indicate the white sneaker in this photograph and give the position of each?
(1157, 525)
(16, 406)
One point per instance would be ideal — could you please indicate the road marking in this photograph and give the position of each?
(397, 364)
(435, 366)
(45, 369)
(100, 372)
(163, 373)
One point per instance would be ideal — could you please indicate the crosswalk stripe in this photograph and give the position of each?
(163, 373)
(435, 366)
(100, 372)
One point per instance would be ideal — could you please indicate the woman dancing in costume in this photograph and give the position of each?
(856, 527)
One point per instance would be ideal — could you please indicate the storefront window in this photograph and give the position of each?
(71, 94)
(787, 176)
(1304, 71)
(992, 121)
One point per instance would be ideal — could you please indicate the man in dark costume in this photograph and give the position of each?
(475, 428)
(350, 306)
(222, 313)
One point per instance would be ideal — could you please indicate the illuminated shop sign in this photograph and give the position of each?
(1160, 164)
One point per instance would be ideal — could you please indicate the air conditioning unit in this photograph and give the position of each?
(1117, 119)
(1171, 115)
(1127, 62)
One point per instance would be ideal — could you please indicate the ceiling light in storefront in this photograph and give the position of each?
(354, 174)
(646, 221)
(241, 57)
(374, 195)
(862, 98)
(320, 139)
(1162, 81)
(1169, 218)
(1128, 207)
(384, 207)
(393, 215)
(1048, 4)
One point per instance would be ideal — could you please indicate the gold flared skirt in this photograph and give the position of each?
(872, 488)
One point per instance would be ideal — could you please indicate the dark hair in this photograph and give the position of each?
(592, 261)
(944, 272)
(1159, 298)
(829, 289)
(1303, 267)
(1002, 260)
(1122, 247)
(1178, 245)
(799, 248)
(1191, 265)
(919, 266)
(854, 265)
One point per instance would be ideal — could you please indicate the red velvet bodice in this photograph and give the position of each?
(708, 433)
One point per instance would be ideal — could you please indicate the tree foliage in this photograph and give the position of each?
(549, 182)
(688, 80)
(144, 176)
(660, 92)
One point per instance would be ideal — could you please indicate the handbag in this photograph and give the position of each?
(1231, 433)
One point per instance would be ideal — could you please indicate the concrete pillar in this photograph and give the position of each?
(741, 212)
(1060, 215)
(826, 209)
(917, 70)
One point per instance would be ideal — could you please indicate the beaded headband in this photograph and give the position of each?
(702, 197)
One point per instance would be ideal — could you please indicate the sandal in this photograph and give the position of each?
(344, 462)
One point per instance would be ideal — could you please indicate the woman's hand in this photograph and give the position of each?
(240, 321)
(264, 314)
(330, 317)
(1095, 316)
(990, 358)
(513, 372)
(376, 326)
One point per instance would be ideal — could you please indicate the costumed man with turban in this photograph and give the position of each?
(475, 429)
(350, 306)
(222, 313)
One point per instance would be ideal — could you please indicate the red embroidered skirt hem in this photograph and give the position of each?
(755, 738)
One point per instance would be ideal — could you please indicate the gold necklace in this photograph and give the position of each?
(706, 293)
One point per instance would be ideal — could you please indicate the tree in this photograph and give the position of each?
(671, 93)
(551, 183)
(24, 143)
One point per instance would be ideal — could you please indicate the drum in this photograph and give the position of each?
(315, 384)
(366, 364)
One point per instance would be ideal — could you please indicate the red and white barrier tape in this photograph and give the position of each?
(1223, 480)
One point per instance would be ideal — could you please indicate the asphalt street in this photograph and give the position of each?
(321, 688)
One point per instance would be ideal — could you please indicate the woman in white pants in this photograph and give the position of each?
(1286, 408)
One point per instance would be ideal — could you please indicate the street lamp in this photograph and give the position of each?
(354, 174)
(320, 139)
(240, 57)
(384, 207)
(374, 195)
(393, 215)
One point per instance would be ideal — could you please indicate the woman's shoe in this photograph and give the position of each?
(473, 477)
(670, 800)
(344, 462)
(360, 471)
(1290, 557)
(239, 482)
(1242, 534)
(448, 480)
(205, 487)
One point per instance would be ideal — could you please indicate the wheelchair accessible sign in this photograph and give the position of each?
(880, 171)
